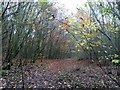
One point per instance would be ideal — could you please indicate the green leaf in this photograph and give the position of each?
(70, 20)
(50, 18)
(115, 55)
(116, 61)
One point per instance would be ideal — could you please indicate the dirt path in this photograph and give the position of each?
(69, 73)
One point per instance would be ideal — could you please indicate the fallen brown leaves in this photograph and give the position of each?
(66, 73)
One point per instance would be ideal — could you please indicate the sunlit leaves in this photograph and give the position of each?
(83, 42)
(51, 18)
(70, 20)
(77, 46)
(116, 56)
(97, 43)
(116, 62)
(75, 32)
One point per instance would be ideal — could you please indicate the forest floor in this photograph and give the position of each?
(67, 73)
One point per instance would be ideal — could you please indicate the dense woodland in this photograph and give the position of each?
(41, 32)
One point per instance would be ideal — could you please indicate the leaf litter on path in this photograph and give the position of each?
(61, 74)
